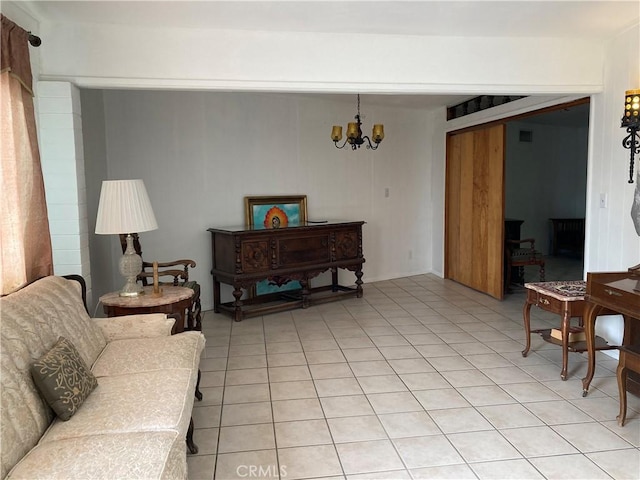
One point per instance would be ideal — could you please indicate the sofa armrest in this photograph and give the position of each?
(135, 326)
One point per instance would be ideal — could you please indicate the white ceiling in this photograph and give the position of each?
(540, 18)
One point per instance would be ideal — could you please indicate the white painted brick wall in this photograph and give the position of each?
(62, 156)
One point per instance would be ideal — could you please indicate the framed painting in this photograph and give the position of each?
(275, 212)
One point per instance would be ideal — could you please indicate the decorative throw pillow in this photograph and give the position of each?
(63, 378)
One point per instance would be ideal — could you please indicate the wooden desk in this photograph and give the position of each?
(610, 293)
(244, 256)
(174, 301)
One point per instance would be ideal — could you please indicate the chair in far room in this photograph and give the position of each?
(520, 254)
(178, 270)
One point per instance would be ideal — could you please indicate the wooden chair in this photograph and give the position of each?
(178, 270)
(520, 256)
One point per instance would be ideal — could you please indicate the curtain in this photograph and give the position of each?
(25, 243)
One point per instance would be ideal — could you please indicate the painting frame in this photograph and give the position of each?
(257, 208)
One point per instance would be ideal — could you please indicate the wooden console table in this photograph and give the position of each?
(611, 293)
(244, 256)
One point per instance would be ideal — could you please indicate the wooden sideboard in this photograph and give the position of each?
(244, 256)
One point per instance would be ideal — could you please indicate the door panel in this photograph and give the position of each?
(474, 218)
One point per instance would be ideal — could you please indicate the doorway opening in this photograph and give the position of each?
(545, 187)
(528, 170)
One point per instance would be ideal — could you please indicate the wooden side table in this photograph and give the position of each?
(563, 298)
(173, 301)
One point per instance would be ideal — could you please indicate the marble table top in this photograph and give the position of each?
(570, 290)
(169, 294)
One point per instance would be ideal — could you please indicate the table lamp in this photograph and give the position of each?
(125, 208)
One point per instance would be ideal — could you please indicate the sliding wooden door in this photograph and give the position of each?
(474, 210)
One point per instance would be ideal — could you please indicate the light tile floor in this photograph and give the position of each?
(421, 378)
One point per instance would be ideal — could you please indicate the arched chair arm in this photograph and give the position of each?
(185, 263)
(178, 277)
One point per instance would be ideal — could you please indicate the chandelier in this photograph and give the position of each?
(354, 134)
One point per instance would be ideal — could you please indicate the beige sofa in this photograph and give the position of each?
(134, 424)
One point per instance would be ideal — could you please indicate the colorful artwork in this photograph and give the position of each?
(275, 212)
(274, 285)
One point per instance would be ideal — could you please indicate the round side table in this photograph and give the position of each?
(173, 301)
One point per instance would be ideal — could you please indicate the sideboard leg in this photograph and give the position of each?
(334, 279)
(304, 283)
(359, 283)
(237, 294)
(216, 295)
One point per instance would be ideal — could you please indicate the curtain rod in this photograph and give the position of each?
(34, 40)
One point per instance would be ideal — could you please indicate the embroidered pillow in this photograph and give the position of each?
(63, 378)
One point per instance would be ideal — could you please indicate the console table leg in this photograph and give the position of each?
(590, 315)
(621, 374)
(566, 321)
(526, 315)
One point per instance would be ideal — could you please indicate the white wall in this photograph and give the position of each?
(62, 158)
(546, 178)
(612, 243)
(119, 56)
(95, 170)
(200, 153)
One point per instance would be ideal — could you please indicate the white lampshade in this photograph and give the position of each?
(124, 208)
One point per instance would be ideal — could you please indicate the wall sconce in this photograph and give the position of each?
(354, 134)
(631, 120)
